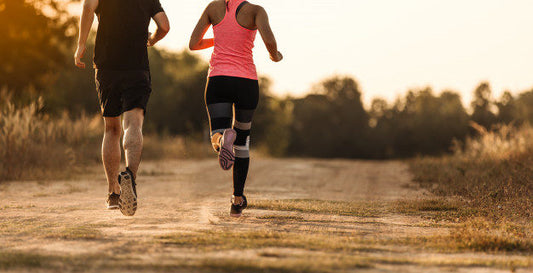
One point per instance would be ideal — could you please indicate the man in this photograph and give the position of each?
(123, 82)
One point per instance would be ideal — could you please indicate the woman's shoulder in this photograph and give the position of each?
(216, 4)
(255, 8)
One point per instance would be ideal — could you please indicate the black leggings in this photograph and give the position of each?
(231, 102)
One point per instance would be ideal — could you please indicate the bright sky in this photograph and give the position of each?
(389, 46)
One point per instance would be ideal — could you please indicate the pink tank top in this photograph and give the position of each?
(233, 55)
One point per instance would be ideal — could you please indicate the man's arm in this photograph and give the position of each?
(261, 21)
(86, 21)
(163, 27)
(197, 41)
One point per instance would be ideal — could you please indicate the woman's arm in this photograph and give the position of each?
(197, 41)
(261, 21)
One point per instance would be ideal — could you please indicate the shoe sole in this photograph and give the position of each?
(113, 207)
(226, 156)
(128, 201)
(235, 215)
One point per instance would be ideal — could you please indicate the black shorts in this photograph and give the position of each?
(121, 91)
(223, 95)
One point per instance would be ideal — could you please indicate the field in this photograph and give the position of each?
(305, 215)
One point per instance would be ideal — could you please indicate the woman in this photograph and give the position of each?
(232, 82)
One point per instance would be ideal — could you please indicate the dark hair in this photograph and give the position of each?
(227, 5)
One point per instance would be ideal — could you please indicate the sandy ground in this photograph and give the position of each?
(193, 196)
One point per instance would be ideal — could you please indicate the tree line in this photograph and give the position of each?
(330, 121)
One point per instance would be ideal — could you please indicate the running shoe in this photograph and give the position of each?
(236, 209)
(226, 156)
(112, 201)
(128, 193)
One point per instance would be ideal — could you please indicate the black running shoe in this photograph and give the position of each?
(128, 193)
(112, 201)
(236, 209)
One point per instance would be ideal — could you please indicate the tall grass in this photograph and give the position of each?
(33, 144)
(492, 173)
(36, 145)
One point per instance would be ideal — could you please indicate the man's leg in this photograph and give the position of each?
(111, 152)
(133, 138)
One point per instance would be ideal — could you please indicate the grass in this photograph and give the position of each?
(489, 178)
(33, 144)
(76, 233)
(302, 263)
(231, 239)
(492, 173)
(362, 209)
(10, 260)
(48, 229)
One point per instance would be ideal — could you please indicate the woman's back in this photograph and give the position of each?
(234, 30)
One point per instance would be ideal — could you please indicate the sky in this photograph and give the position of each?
(389, 46)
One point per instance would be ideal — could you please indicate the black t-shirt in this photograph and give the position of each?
(123, 33)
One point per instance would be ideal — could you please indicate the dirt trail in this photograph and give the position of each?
(67, 219)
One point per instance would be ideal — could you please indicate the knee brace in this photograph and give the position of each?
(242, 143)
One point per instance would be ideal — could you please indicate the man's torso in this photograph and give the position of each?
(123, 33)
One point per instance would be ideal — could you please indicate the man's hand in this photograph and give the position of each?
(163, 27)
(151, 40)
(277, 58)
(80, 52)
(150, 43)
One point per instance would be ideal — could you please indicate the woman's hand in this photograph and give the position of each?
(277, 58)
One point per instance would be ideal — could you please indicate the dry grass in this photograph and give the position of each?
(231, 239)
(492, 173)
(33, 144)
(490, 178)
(478, 234)
(362, 209)
(76, 233)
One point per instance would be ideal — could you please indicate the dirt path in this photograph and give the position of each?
(183, 225)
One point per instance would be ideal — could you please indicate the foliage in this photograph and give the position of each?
(36, 37)
(331, 121)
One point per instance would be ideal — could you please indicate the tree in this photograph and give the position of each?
(331, 122)
(508, 111)
(481, 106)
(177, 102)
(419, 123)
(34, 42)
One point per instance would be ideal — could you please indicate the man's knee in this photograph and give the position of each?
(112, 126)
(133, 119)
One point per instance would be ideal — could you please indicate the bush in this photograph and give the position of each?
(32, 144)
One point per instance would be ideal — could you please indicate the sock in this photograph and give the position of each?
(240, 172)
